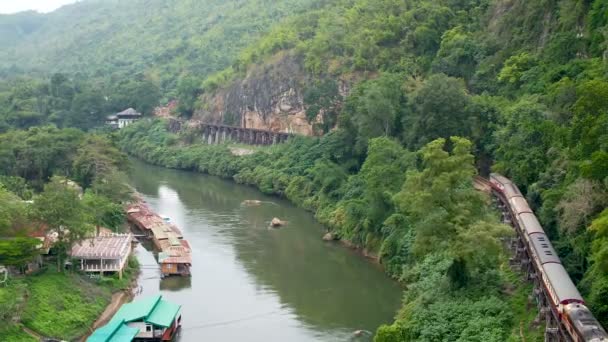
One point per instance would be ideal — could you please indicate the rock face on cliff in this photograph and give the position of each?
(270, 97)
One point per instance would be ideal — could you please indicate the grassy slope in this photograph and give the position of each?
(63, 305)
(11, 300)
(59, 305)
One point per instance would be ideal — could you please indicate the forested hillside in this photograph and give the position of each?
(415, 97)
(116, 39)
(524, 81)
(74, 66)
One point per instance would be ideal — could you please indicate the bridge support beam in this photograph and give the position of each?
(216, 134)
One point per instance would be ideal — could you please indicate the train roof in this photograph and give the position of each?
(585, 323)
(529, 223)
(500, 178)
(519, 205)
(561, 283)
(511, 190)
(543, 249)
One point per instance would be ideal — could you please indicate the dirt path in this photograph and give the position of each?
(118, 299)
(32, 333)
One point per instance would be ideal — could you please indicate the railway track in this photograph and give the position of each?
(482, 184)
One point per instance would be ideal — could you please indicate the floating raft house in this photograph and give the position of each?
(175, 256)
(147, 319)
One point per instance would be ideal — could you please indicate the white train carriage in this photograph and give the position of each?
(565, 300)
(561, 288)
(504, 185)
(519, 205)
(529, 224)
(499, 181)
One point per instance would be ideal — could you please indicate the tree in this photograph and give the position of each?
(16, 185)
(523, 141)
(515, 67)
(439, 109)
(323, 97)
(383, 173)
(375, 108)
(88, 110)
(447, 213)
(188, 90)
(114, 186)
(60, 208)
(142, 95)
(18, 251)
(596, 278)
(102, 211)
(458, 54)
(95, 159)
(13, 214)
(582, 201)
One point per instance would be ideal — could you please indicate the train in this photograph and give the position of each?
(561, 295)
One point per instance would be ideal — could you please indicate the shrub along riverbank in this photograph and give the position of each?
(418, 211)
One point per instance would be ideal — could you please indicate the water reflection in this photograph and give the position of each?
(258, 284)
(175, 283)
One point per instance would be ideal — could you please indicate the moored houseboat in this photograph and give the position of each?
(175, 258)
(174, 254)
(144, 320)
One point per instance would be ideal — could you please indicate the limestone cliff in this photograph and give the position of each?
(269, 97)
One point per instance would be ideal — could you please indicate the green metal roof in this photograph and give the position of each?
(151, 310)
(137, 310)
(164, 314)
(115, 331)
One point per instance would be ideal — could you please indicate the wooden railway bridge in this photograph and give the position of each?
(217, 134)
(521, 260)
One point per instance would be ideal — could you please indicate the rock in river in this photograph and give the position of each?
(251, 203)
(277, 223)
(329, 237)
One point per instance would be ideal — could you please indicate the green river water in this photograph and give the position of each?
(252, 283)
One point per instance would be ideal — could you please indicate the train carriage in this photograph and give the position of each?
(529, 224)
(562, 289)
(564, 299)
(519, 205)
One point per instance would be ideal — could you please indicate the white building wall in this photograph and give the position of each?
(125, 122)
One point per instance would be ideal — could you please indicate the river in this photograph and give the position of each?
(251, 283)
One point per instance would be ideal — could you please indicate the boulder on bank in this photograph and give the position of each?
(329, 237)
(276, 223)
